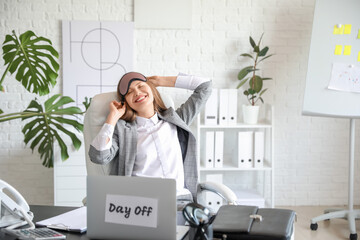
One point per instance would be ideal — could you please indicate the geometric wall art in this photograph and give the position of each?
(95, 56)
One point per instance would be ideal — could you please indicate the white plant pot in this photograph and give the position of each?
(250, 114)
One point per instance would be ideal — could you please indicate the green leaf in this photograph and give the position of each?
(246, 92)
(265, 57)
(256, 83)
(252, 42)
(87, 102)
(264, 79)
(1, 111)
(69, 111)
(50, 101)
(8, 38)
(43, 130)
(55, 106)
(251, 91)
(256, 49)
(247, 55)
(262, 92)
(263, 51)
(75, 140)
(242, 82)
(260, 39)
(63, 147)
(243, 72)
(78, 126)
(33, 58)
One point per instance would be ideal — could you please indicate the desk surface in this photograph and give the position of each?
(44, 212)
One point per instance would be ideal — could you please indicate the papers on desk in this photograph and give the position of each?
(73, 221)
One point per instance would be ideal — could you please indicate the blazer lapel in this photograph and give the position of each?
(170, 116)
(131, 138)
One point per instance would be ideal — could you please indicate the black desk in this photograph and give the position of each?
(44, 212)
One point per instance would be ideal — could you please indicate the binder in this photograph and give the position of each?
(219, 149)
(211, 109)
(228, 106)
(209, 149)
(72, 221)
(245, 149)
(223, 107)
(232, 106)
(213, 200)
(259, 147)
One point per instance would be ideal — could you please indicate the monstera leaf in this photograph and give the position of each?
(32, 58)
(46, 126)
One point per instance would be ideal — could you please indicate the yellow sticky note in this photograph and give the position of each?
(338, 49)
(339, 29)
(347, 49)
(358, 34)
(359, 57)
(347, 29)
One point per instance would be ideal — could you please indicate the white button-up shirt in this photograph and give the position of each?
(158, 148)
(158, 151)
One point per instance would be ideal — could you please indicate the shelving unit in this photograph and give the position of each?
(241, 180)
(70, 176)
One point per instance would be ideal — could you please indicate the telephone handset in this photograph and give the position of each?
(13, 213)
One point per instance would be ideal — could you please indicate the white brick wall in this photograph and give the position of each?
(311, 153)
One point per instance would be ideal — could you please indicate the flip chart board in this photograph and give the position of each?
(333, 75)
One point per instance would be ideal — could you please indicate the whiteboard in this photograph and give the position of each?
(319, 100)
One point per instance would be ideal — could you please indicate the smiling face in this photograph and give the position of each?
(140, 98)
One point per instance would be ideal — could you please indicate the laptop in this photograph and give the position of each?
(121, 207)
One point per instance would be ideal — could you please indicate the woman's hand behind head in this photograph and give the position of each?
(155, 80)
(117, 110)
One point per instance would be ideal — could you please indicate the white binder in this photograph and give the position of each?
(232, 106)
(213, 200)
(259, 150)
(209, 149)
(219, 149)
(227, 106)
(223, 106)
(245, 149)
(211, 109)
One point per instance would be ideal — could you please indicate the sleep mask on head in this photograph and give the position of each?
(126, 80)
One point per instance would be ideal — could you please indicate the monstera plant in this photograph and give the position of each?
(35, 63)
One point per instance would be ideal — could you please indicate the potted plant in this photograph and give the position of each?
(33, 60)
(255, 89)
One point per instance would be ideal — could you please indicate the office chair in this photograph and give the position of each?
(93, 121)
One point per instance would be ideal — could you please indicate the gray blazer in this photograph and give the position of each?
(124, 142)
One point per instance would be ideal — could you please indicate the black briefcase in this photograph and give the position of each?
(250, 222)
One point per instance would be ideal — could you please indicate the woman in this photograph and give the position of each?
(145, 138)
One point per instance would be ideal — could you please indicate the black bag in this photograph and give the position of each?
(250, 222)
